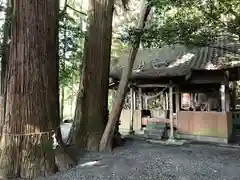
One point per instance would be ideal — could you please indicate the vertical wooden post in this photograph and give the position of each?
(140, 98)
(227, 106)
(180, 100)
(132, 110)
(223, 97)
(134, 100)
(208, 105)
(162, 100)
(177, 103)
(171, 111)
(146, 102)
(192, 101)
(233, 95)
(227, 94)
(166, 98)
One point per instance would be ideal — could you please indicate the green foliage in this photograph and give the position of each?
(190, 22)
(70, 49)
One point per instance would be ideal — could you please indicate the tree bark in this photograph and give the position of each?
(32, 98)
(96, 73)
(62, 103)
(77, 137)
(106, 141)
(4, 60)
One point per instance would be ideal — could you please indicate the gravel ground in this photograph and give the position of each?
(143, 161)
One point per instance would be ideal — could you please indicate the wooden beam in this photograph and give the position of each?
(171, 112)
(140, 98)
(152, 85)
(207, 77)
(206, 81)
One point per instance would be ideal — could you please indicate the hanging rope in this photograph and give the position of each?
(28, 134)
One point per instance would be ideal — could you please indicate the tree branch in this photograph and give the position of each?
(210, 16)
(226, 5)
(83, 13)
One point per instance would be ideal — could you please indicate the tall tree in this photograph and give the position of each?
(32, 105)
(96, 72)
(70, 53)
(106, 141)
(192, 22)
(94, 94)
(63, 67)
(4, 59)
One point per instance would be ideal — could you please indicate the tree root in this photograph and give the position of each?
(62, 154)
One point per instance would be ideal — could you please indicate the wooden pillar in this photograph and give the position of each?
(208, 105)
(146, 102)
(233, 95)
(171, 111)
(223, 97)
(162, 100)
(180, 100)
(227, 94)
(166, 98)
(177, 99)
(140, 98)
(132, 110)
(192, 101)
(134, 100)
(227, 106)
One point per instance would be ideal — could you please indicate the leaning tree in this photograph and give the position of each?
(32, 99)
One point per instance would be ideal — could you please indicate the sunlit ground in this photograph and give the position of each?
(141, 161)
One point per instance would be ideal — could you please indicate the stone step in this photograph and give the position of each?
(155, 126)
(154, 134)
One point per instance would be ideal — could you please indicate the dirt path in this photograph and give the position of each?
(142, 161)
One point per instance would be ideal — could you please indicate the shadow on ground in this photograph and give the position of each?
(140, 160)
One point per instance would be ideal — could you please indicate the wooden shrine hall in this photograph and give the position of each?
(191, 89)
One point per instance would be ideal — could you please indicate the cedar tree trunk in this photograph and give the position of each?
(32, 98)
(106, 141)
(96, 73)
(77, 137)
(5, 55)
(62, 103)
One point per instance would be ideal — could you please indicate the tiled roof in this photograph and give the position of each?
(179, 60)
